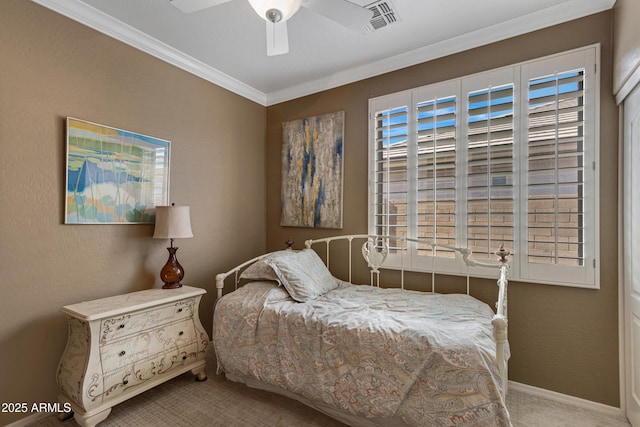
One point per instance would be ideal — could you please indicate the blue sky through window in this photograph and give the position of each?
(434, 110)
(543, 87)
(394, 127)
(391, 127)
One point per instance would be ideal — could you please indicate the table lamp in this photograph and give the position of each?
(172, 222)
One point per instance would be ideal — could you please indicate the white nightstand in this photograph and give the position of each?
(121, 346)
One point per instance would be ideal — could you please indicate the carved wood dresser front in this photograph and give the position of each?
(121, 346)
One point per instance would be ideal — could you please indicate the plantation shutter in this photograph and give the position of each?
(436, 173)
(506, 157)
(556, 166)
(490, 170)
(559, 241)
(390, 176)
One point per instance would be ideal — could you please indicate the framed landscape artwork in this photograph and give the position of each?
(114, 176)
(312, 171)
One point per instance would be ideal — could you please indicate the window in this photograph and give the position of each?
(506, 157)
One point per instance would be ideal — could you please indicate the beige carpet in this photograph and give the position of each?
(218, 402)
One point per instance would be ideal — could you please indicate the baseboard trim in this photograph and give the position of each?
(570, 400)
(27, 421)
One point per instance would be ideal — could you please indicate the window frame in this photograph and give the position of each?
(586, 58)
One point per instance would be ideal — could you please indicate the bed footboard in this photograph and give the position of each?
(499, 323)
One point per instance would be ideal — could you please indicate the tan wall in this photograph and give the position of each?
(562, 339)
(52, 68)
(626, 33)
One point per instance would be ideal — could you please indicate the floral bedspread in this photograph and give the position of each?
(425, 359)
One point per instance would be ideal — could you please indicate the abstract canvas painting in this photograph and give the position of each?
(312, 171)
(114, 176)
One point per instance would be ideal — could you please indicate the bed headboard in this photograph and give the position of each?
(375, 250)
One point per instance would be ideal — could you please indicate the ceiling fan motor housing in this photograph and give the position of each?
(275, 10)
(274, 15)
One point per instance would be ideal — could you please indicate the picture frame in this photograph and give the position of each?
(114, 176)
(313, 172)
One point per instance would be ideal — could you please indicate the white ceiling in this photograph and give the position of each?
(225, 44)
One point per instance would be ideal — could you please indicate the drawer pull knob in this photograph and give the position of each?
(184, 357)
(179, 310)
(122, 353)
(180, 333)
(122, 326)
(125, 382)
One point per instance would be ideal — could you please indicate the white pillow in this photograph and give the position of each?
(260, 270)
(303, 274)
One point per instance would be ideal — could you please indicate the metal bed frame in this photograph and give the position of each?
(375, 250)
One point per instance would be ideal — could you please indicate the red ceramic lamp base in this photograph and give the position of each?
(172, 272)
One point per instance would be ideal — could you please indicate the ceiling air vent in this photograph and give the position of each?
(383, 15)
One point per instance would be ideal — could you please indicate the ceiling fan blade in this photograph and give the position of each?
(189, 6)
(277, 38)
(341, 11)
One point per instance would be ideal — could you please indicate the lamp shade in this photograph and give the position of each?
(172, 222)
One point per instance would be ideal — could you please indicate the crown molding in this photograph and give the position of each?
(99, 21)
(93, 18)
(548, 17)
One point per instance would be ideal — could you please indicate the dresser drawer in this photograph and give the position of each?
(120, 326)
(146, 344)
(139, 372)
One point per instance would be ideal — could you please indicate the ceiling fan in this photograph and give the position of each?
(277, 12)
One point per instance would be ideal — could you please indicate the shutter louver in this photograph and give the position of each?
(390, 179)
(490, 187)
(555, 175)
(436, 173)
